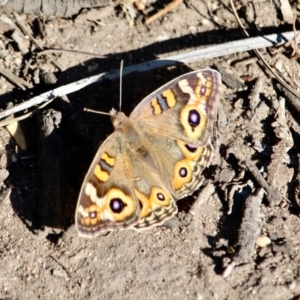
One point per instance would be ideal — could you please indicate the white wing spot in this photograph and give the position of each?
(82, 211)
(184, 85)
(93, 195)
(88, 189)
(201, 77)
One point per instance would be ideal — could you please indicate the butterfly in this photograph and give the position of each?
(153, 158)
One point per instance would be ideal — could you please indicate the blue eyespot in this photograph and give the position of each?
(194, 118)
(117, 205)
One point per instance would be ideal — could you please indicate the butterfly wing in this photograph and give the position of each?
(182, 109)
(105, 201)
(179, 118)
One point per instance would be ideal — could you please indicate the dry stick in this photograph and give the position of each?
(51, 8)
(273, 196)
(280, 79)
(47, 51)
(295, 53)
(248, 232)
(61, 265)
(9, 121)
(15, 79)
(164, 11)
(290, 97)
(286, 11)
(192, 56)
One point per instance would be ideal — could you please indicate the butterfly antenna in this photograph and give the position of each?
(96, 112)
(121, 73)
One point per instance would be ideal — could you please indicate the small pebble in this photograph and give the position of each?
(262, 241)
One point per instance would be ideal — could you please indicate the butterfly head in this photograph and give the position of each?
(118, 118)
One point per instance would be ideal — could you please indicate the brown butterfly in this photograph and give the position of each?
(154, 157)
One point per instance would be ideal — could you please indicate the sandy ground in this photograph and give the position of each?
(41, 255)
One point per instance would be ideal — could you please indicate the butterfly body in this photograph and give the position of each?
(153, 158)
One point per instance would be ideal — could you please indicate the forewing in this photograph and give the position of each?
(182, 109)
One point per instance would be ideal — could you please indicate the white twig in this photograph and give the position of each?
(196, 55)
